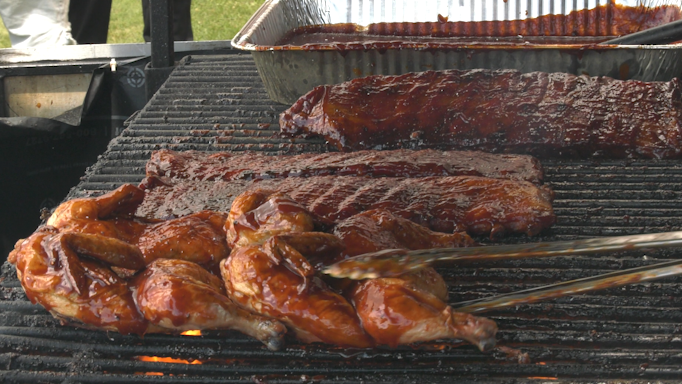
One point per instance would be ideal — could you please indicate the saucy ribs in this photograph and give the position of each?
(477, 205)
(544, 114)
(194, 165)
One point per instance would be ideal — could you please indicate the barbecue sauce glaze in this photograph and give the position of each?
(543, 114)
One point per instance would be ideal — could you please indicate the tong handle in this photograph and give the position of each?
(393, 262)
(573, 287)
(557, 248)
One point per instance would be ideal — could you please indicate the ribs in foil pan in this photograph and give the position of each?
(291, 70)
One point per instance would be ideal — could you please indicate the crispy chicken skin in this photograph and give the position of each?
(180, 295)
(76, 290)
(69, 268)
(64, 266)
(412, 307)
(277, 278)
(261, 279)
(255, 216)
(395, 311)
(199, 238)
(268, 271)
(74, 268)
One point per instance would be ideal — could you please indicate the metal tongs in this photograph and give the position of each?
(394, 262)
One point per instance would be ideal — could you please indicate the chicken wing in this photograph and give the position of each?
(255, 216)
(198, 238)
(106, 215)
(75, 290)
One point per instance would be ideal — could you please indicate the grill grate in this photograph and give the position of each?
(218, 103)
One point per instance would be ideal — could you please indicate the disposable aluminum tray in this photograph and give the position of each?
(289, 71)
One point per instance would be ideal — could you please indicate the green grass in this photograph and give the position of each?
(211, 20)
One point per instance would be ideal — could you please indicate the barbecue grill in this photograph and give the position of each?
(631, 334)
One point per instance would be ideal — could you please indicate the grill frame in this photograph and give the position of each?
(217, 103)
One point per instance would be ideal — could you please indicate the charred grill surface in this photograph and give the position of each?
(547, 115)
(626, 335)
(194, 165)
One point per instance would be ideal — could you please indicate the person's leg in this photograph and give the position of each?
(182, 20)
(90, 20)
(146, 18)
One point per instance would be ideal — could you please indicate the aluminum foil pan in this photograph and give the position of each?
(291, 70)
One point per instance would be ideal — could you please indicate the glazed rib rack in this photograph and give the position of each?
(218, 103)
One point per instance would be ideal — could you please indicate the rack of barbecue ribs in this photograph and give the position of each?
(608, 19)
(505, 196)
(195, 165)
(477, 205)
(543, 114)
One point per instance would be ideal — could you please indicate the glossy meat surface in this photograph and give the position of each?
(543, 114)
(412, 307)
(79, 291)
(260, 279)
(269, 270)
(278, 278)
(198, 238)
(378, 229)
(256, 216)
(180, 295)
(394, 311)
(476, 205)
(610, 19)
(194, 165)
(80, 267)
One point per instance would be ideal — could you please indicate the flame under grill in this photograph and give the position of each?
(217, 103)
